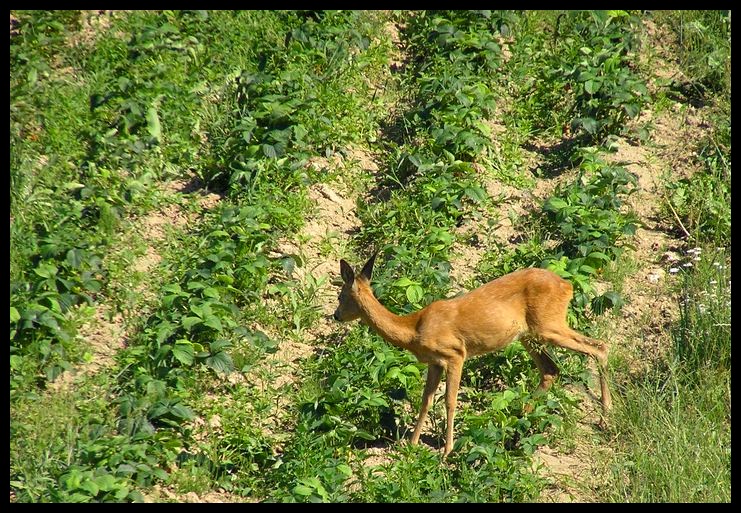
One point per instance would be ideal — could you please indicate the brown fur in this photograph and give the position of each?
(531, 303)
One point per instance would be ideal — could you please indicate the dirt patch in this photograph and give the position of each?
(148, 261)
(396, 59)
(206, 198)
(153, 226)
(163, 494)
(572, 472)
(105, 335)
(655, 56)
(285, 364)
(92, 25)
(463, 265)
(328, 228)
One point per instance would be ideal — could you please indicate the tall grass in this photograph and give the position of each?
(674, 422)
(703, 46)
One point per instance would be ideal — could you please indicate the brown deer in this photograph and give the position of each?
(530, 302)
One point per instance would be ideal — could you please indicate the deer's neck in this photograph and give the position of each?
(399, 330)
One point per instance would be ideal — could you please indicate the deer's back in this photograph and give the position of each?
(493, 315)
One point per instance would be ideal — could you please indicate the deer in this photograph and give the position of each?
(528, 304)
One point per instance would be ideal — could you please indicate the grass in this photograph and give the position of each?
(689, 397)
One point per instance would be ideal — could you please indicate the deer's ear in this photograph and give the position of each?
(348, 276)
(368, 267)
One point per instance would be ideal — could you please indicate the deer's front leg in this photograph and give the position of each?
(434, 373)
(452, 382)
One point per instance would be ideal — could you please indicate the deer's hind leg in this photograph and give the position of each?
(570, 339)
(547, 367)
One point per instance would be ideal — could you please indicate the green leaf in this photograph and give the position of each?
(16, 361)
(411, 369)
(404, 282)
(477, 194)
(184, 353)
(592, 86)
(90, 487)
(72, 479)
(598, 255)
(344, 469)
(153, 124)
(211, 292)
(555, 204)
(125, 468)
(213, 322)
(220, 362)
(14, 315)
(501, 401)
(220, 345)
(78, 497)
(182, 412)
(92, 285)
(415, 293)
(106, 482)
(190, 321)
(75, 257)
(46, 270)
(589, 124)
(302, 490)
(269, 151)
(632, 109)
(587, 269)
(173, 288)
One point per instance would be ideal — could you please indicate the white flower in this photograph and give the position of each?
(673, 270)
(688, 264)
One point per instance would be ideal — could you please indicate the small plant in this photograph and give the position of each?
(587, 214)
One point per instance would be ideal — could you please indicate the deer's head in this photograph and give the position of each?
(349, 300)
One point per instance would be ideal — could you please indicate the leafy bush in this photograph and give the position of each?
(587, 215)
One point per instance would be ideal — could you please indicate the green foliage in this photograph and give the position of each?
(456, 52)
(702, 336)
(702, 201)
(586, 214)
(607, 92)
(300, 101)
(138, 118)
(581, 74)
(359, 393)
